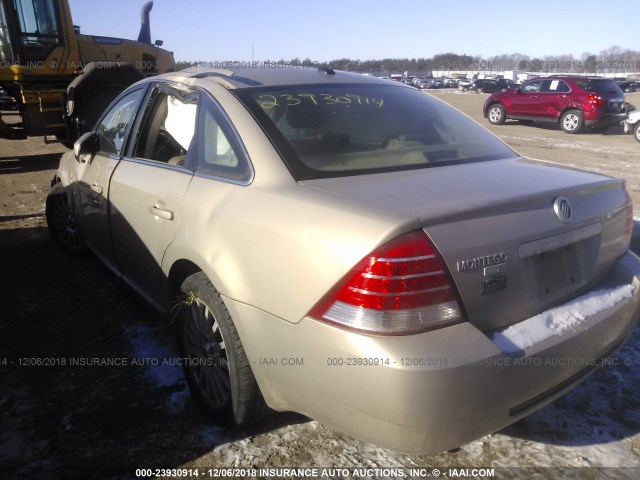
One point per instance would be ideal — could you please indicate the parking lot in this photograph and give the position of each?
(66, 414)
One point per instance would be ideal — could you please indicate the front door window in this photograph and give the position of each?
(114, 126)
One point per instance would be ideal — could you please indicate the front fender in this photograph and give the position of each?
(67, 172)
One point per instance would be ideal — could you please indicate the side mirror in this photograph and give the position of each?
(88, 143)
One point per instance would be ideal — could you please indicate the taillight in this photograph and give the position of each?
(401, 288)
(595, 99)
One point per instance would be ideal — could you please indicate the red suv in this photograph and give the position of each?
(570, 101)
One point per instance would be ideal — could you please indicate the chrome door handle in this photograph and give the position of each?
(159, 212)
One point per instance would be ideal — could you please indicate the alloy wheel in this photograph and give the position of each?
(207, 354)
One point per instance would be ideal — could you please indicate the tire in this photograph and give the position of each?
(496, 114)
(636, 131)
(572, 121)
(479, 90)
(217, 370)
(61, 222)
(465, 89)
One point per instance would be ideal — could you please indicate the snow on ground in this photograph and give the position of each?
(151, 347)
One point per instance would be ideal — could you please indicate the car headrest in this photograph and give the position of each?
(305, 115)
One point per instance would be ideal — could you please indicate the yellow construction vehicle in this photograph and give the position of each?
(55, 81)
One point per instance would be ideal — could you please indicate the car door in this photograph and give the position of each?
(492, 86)
(553, 98)
(149, 185)
(91, 190)
(523, 101)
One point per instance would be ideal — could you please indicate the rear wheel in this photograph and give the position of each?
(479, 90)
(62, 223)
(216, 366)
(571, 121)
(636, 131)
(496, 114)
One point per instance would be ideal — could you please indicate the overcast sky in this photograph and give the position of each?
(212, 30)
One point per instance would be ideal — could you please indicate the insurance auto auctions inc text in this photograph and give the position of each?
(317, 472)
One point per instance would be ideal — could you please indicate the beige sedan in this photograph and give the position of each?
(351, 249)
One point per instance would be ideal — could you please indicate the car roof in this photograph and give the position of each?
(273, 76)
(573, 78)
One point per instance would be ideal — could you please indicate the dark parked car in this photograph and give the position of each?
(484, 85)
(506, 83)
(431, 83)
(573, 102)
(629, 86)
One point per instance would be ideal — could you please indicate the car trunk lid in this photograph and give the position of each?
(500, 228)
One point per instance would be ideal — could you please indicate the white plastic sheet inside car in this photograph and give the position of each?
(181, 121)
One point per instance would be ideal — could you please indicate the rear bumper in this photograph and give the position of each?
(429, 392)
(600, 119)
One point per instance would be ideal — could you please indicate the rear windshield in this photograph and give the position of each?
(606, 87)
(339, 130)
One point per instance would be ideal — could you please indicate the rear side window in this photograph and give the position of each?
(339, 130)
(585, 85)
(607, 87)
(220, 152)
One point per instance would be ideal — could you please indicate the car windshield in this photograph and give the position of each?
(328, 131)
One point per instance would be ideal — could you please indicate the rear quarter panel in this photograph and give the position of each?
(277, 248)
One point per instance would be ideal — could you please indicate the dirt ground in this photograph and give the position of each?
(89, 420)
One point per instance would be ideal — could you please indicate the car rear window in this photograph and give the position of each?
(603, 87)
(340, 130)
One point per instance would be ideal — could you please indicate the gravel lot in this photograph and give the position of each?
(94, 421)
